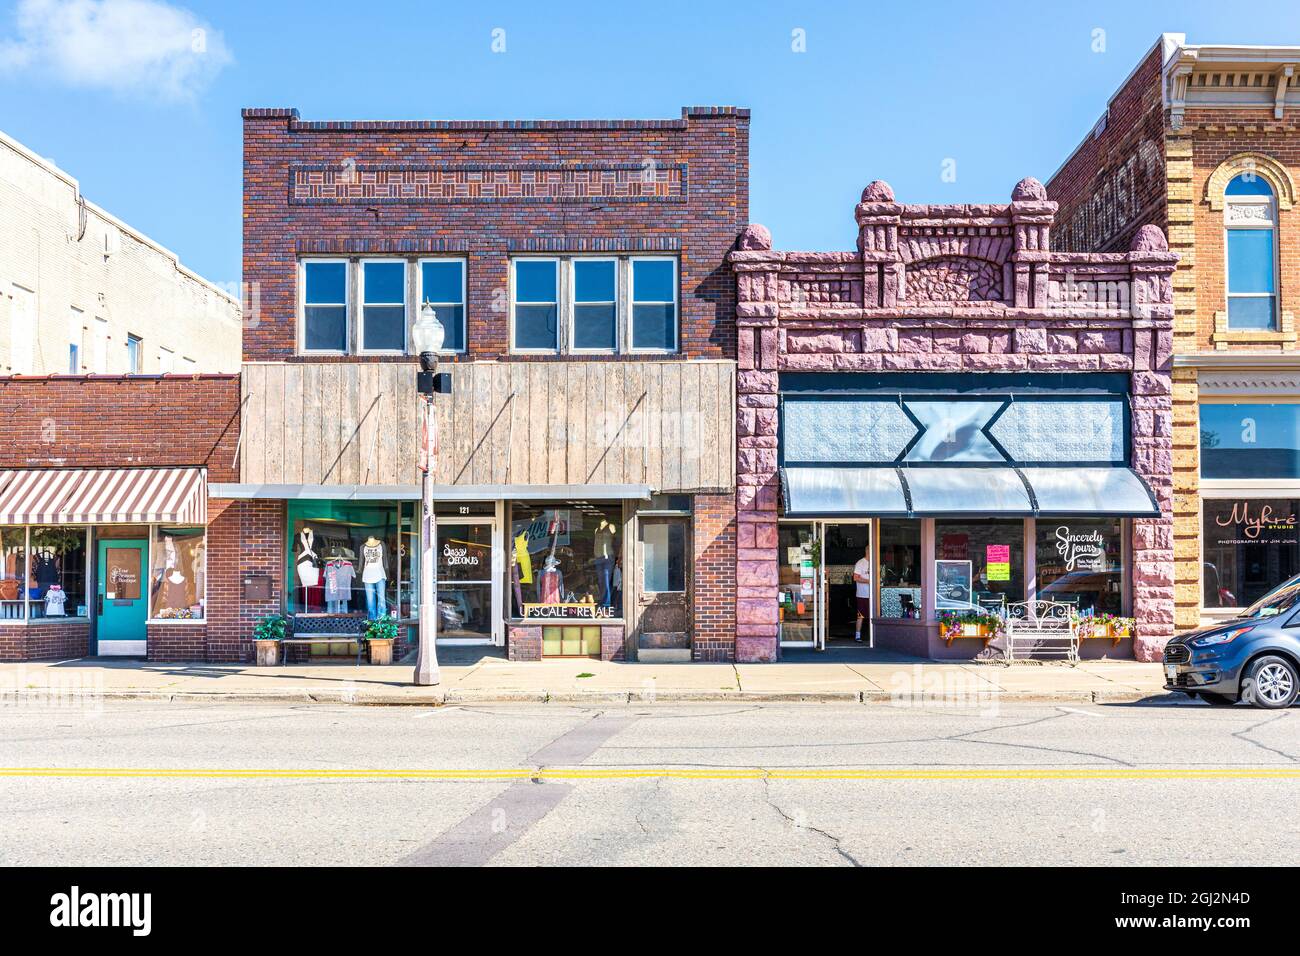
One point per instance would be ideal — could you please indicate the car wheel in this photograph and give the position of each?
(1271, 683)
(1217, 700)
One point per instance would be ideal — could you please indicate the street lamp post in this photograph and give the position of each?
(428, 335)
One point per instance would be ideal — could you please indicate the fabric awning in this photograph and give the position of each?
(966, 491)
(104, 496)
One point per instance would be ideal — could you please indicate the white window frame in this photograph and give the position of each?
(134, 344)
(302, 304)
(559, 306)
(1270, 202)
(632, 302)
(101, 337)
(571, 305)
(76, 337)
(464, 296)
(405, 304)
(148, 557)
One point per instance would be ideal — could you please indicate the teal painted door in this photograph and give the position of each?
(123, 599)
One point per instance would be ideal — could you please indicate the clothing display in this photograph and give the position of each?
(605, 578)
(603, 541)
(550, 584)
(54, 601)
(373, 568)
(376, 601)
(308, 572)
(175, 591)
(339, 575)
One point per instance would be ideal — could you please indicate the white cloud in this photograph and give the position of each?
(143, 48)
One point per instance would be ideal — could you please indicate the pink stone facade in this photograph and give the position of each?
(950, 289)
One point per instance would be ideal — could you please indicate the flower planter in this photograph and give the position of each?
(381, 650)
(268, 653)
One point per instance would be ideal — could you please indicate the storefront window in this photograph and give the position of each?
(58, 572)
(900, 569)
(13, 573)
(798, 558)
(1080, 562)
(1249, 546)
(179, 571)
(565, 556)
(995, 549)
(348, 558)
(1250, 440)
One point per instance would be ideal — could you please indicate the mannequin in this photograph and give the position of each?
(175, 593)
(374, 576)
(308, 573)
(604, 550)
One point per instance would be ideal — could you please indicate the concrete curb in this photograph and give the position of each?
(436, 698)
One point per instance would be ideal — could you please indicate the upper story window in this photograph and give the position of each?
(594, 304)
(134, 355)
(324, 305)
(442, 285)
(365, 306)
(1250, 221)
(654, 305)
(383, 306)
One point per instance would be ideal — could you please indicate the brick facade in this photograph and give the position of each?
(95, 421)
(44, 641)
(714, 599)
(1181, 154)
(487, 190)
(991, 298)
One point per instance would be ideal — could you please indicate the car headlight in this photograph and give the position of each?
(1223, 637)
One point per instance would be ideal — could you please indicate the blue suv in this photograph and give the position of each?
(1254, 657)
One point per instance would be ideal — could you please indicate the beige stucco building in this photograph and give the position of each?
(83, 292)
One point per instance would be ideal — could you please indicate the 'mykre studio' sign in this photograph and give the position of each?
(567, 612)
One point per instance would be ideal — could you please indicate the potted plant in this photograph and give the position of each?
(267, 635)
(379, 636)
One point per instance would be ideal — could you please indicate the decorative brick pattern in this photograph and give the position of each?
(590, 170)
(459, 183)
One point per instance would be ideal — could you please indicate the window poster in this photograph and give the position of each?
(952, 584)
(997, 562)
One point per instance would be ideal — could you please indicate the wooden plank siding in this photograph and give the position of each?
(668, 424)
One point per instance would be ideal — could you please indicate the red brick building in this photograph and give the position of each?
(1204, 141)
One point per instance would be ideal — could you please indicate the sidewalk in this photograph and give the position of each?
(493, 679)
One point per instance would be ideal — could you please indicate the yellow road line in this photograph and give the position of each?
(641, 773)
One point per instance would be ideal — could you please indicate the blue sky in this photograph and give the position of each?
(114, 92)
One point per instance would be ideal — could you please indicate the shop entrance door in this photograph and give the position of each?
(466, 582)
(122, 606)
(798, 582)
(843, 545)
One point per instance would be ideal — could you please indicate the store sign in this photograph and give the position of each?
(997, 562)
(1081, 552)
(1260, 523)
(567, 612)
(453, 556)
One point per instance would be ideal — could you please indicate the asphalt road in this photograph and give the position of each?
(817, 784)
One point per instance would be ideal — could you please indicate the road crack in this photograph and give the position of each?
(1241, 735)
(796, 823)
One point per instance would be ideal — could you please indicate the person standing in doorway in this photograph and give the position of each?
(862, 578)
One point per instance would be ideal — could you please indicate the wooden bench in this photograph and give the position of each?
(1048, 628)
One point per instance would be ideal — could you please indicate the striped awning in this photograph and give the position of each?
(104, 496)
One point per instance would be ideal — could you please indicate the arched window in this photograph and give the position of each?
(1250, 221)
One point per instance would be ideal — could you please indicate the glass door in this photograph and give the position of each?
(463, 575)
(847, 570)
(798, 592)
